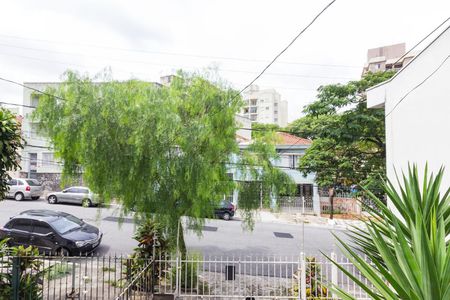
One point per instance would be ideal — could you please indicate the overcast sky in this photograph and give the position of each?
(39, 40)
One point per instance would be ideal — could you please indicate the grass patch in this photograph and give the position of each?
(108, 269)
(58, 270)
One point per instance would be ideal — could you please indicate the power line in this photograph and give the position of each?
(418, 85)
(420, 42)
(175, 67)
(32, 88)
(284, 50)
(169, 53)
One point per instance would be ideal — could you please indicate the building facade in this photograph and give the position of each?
(387, 58)
(417, 110)
(265, 106)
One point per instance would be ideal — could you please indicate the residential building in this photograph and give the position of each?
(265, 106)
(290, 149)
(387, 58)
(417, 110)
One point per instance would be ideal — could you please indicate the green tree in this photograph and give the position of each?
(259, 129)
(11, 143)
(160, 151)
(348, 138)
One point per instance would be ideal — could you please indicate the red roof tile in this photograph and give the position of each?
(289, 139)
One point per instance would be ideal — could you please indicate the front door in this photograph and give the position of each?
(12, 187)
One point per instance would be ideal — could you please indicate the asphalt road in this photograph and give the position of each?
(228, 238)
(117, 237)
(219, 237)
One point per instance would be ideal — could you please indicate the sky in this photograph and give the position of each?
(39, 40)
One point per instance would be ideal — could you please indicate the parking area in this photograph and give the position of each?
(117, 236)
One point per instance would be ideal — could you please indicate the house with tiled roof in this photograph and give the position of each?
(290, 149)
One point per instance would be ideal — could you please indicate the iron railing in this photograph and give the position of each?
(178, 277)
(88, 277)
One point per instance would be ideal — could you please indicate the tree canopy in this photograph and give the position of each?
(348, 138)
(11, 143)
(162, 151)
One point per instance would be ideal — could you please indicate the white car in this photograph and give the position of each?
(24, 188)
(76, 195)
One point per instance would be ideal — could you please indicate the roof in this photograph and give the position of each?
(289, 139)
(40, 214)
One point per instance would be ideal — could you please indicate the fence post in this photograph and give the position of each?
(15, 278)
(302, 291)
(334, 273)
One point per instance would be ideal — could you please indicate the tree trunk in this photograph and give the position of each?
(331, 197)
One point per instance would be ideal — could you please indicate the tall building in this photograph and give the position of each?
(265, 106)
(387, 58)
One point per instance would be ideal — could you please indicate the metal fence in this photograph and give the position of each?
(296, 204)
(189, 277)
(302, 277)
(93, 277)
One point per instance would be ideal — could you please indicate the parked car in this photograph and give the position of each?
(76, 194)
(226, 210)
(24, 188)
(52, 232)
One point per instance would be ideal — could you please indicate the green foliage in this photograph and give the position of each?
(11, 142)
(58, 270)
(259, 129)
(29, 269)
(348, 138)
(160, 151)
(408, 250)
(315, 288)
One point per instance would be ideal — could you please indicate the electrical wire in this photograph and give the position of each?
(418, 85)
(420, 42)
(174, 53)
(284, 50)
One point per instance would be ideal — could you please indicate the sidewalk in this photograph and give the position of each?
(266, 216)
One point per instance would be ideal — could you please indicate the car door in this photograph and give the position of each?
(43, 237)
(12, 187)
(20, 230)
(68, 195)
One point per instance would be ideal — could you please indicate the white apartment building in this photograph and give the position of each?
(265, 106)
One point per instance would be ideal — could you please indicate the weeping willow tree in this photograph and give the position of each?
(163, 152)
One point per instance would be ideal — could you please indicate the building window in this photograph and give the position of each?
(253, 117)
(267, 108)
(33, 161)
(245, 110)
(275, 112)
(47, 158)
(276, 119)
(378, 66)
(253, 110)
(34, 100)
(275, 104)
(253, 101)
(293, 161)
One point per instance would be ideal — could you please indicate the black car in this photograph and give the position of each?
(225, 210)
(51, 232)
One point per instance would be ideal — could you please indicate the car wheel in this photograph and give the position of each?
(52, 199)
(86, 202)
(226, 216)
(18, 197)
(62, 252)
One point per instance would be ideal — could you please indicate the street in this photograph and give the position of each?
(219, 237)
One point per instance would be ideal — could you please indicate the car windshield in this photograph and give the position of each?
(32, 182)
(64, 225)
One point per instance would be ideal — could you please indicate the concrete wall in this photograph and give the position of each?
(418, 121)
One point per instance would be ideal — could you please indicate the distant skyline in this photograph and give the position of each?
(39, 40)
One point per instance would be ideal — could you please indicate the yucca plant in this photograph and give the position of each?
(407, 249)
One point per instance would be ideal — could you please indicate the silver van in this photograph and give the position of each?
(24, 188)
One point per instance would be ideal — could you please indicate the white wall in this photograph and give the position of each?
(418, 129)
